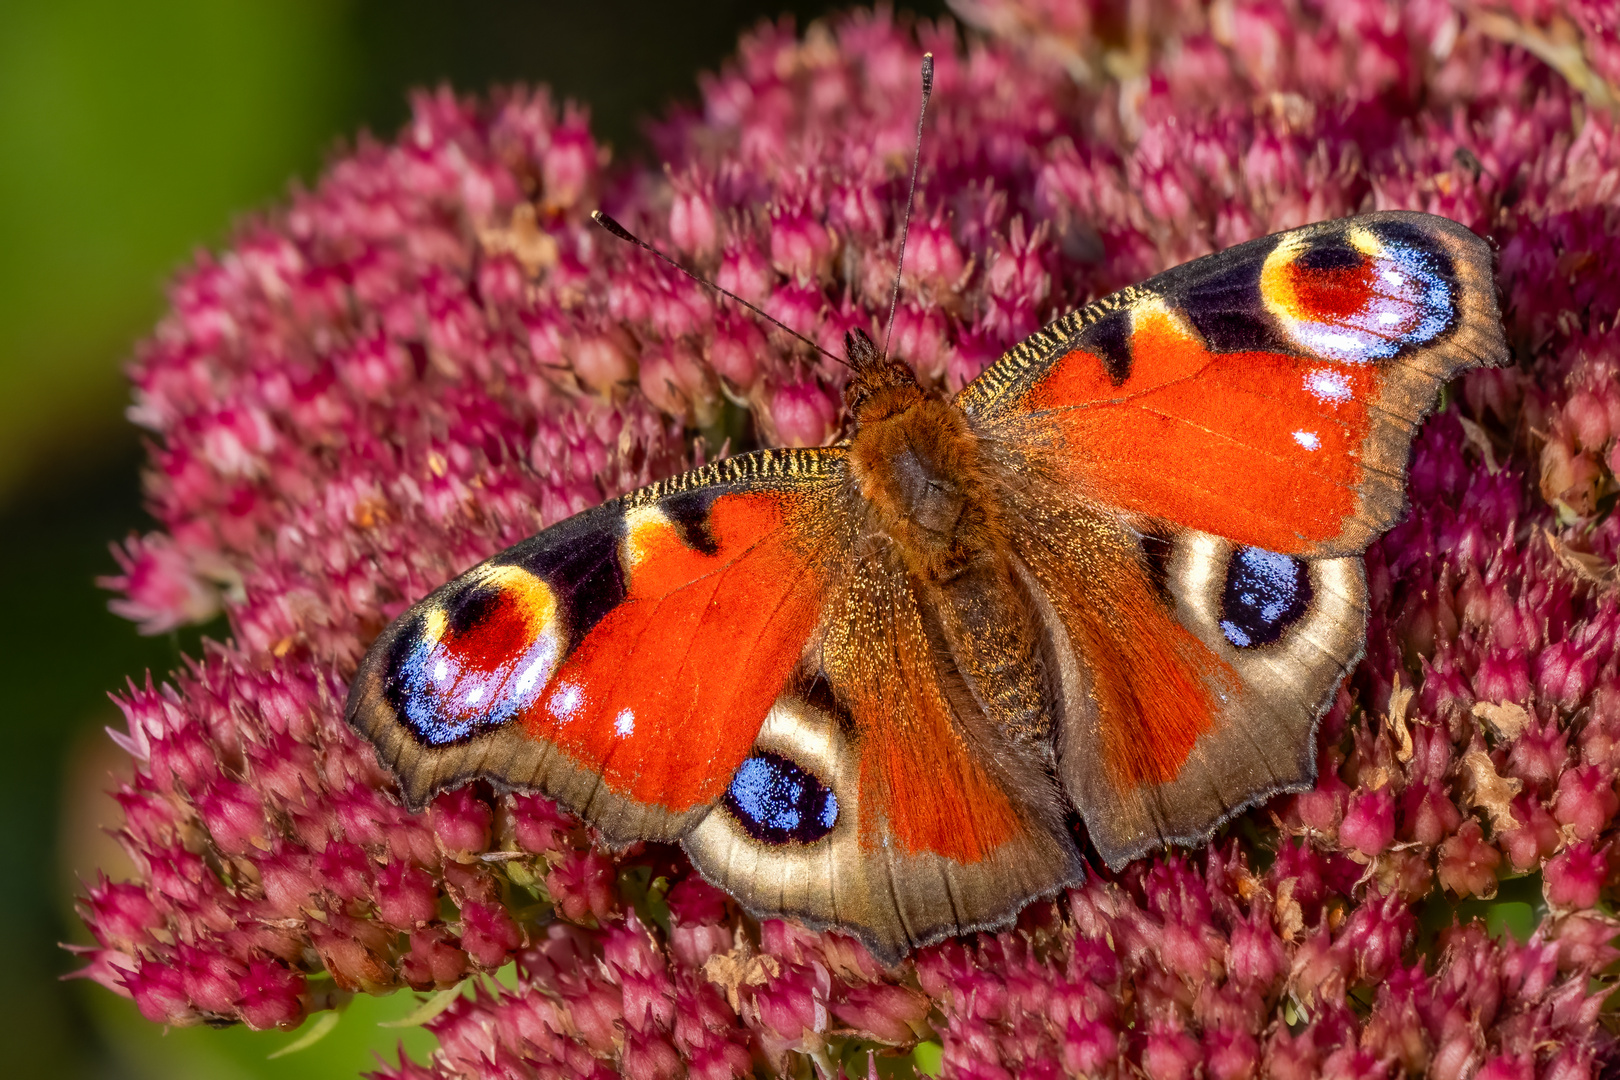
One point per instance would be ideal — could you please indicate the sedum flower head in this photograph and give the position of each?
(432, 354)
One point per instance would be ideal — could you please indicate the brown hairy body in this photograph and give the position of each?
(932, 493)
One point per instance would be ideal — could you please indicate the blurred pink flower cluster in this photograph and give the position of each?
(434, 353)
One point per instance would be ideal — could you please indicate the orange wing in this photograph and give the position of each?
(622, 661)
(665, 695)
(1266, 394)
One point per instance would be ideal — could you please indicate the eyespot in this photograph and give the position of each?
(778, 802)
(1360, 295)
(472, 660)
(1265, 594)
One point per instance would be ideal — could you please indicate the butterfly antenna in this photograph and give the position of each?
(631, 238)
(905, 228)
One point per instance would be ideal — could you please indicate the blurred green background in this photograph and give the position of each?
(132, 134)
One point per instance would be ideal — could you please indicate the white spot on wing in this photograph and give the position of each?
(1334, 342)
(1308, 439)
(565, 702)
(624, 723)
(1328, 385)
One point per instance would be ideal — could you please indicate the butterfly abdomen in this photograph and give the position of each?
(992, 634)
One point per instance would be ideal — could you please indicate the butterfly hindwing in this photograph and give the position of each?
(1262, 640)
(942, 825)
(1267, 394)
(846, 870)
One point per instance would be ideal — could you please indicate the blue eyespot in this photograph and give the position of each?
(777, 802)
(1265, 594)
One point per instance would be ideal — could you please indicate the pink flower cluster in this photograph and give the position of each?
(1187, 970)
(433, 353)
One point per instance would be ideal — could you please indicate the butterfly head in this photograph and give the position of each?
(878, 388)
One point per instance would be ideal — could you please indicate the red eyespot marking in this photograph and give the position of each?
(1325, 293)
(1359, 297)
(480, 658)
(507, 621)
(666, 694)
(1258, 447)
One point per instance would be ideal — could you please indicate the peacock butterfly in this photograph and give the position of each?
(866, 685)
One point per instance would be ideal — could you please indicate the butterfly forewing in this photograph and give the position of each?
(623, 660)
(1266, 394)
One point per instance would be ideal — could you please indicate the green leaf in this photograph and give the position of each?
(930, 1058)
(1513, 917)
(426, 1011)
(319, 1030)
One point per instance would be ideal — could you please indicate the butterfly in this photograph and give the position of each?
(871, 686)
